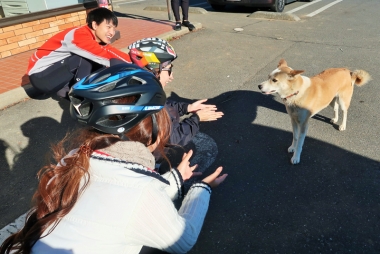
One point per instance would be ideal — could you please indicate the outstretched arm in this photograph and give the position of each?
(206, 112)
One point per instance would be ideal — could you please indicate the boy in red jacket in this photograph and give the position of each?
(71, 55)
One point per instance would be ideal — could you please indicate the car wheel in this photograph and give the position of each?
(278, 6)
(217, 7)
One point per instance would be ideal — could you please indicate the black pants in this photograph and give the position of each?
(60, 76)
(63, 73)
(184, 7)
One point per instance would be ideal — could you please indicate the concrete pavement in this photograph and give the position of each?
(328, 203)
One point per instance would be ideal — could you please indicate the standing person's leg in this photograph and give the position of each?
(185, 15)
(175, 8)
(185, 9)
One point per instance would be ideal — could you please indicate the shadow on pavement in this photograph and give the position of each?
(19, 180)
(330, 202)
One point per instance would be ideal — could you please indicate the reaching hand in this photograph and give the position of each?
(214, 179)
(185, 169)
(198, 105)
(205, 112)
(206, 115)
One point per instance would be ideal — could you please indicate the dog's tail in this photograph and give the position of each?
(360, 77)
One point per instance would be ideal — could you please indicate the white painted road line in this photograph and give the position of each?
(323, 8)
(303, 6)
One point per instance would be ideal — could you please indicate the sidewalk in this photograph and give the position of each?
(15, 86)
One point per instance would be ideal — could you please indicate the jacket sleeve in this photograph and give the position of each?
(82, 43)
(183, 131)
(181, 107)
(174, 190)
(157, 224)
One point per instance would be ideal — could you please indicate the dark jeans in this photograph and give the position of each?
(184, 7)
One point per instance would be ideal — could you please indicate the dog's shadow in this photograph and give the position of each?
(278, 205)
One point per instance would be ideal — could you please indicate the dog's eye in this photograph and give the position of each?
(274, 80)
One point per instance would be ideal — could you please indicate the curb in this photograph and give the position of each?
(27, 91)
(196, 10)
(274, 15)
(17, 95)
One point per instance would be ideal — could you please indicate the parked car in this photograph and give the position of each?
(273, 5)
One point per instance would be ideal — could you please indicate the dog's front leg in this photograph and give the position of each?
(295, 128)
(302, 131)
(300, 122)
(293, 113)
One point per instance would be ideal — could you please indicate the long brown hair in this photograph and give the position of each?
(59, 182)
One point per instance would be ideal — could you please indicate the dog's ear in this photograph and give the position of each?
(295, 72)
(282, 63)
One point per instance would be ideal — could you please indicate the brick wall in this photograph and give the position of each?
(30, 35)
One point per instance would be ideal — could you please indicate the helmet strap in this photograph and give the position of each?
(152, 70)
(154, 129)
(123, 137)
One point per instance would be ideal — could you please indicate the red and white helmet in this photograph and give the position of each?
(152, 53)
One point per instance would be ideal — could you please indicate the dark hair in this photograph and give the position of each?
(99, 15)
(59, 183)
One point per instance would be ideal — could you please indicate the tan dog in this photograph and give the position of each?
(305, 97)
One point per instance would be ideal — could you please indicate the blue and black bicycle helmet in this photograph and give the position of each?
(95, 100)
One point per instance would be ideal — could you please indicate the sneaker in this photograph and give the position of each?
(177, 26)
(188, 25)
(64, 92)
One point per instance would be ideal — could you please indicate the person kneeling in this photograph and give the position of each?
(104, 196)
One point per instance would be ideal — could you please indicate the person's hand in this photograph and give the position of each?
(214, 179)
(198, 105)
(185, 169)
(207, 114)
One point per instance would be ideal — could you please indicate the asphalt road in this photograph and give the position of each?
(329, 203)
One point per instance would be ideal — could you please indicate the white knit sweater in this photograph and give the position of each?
(127, 205)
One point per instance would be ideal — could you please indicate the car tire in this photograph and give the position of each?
(278, 6)
(217, 7)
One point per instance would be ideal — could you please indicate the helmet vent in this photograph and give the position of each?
(136, 81)
(101, 78)
(85, 109)
(129, 100)
(116, 120)
(107, 87)
(75, 100)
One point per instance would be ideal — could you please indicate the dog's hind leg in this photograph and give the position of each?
(335, 105)
(342, 127)
(344, 103)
